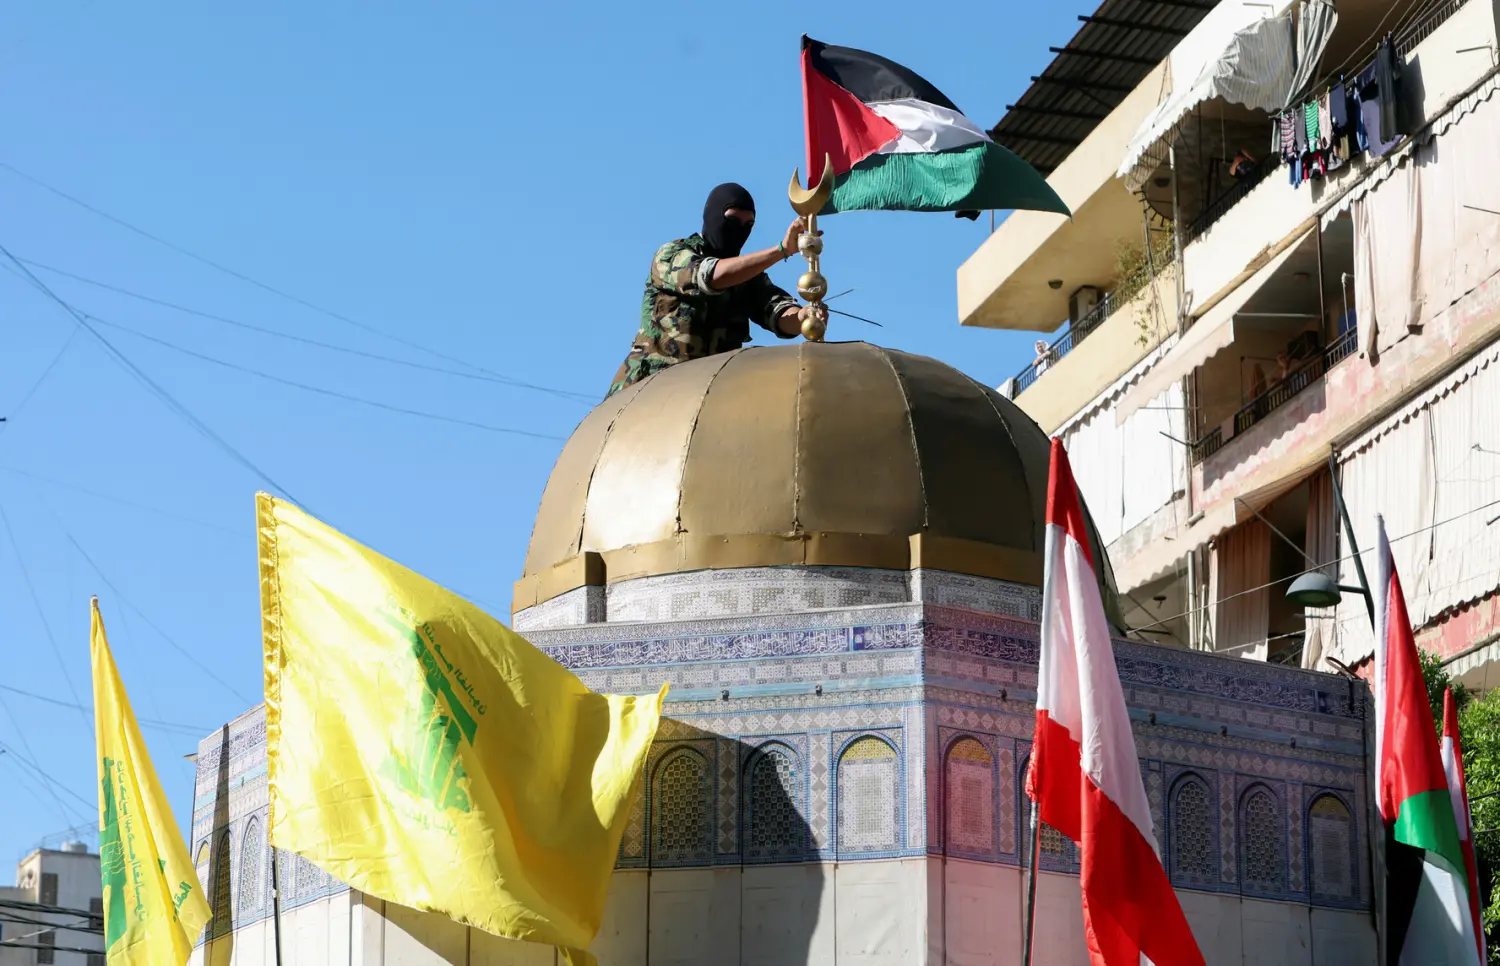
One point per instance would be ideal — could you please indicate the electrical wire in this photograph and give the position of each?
(165, 397)
(1291, 577)
(37, 602)
(142, 614)
(320, 390)
(333, 347)
(194, 730)
(233, 273)
(25, 743)
(120, 500)
(53, 782)
(43, 377)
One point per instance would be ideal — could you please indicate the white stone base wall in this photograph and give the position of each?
(901, 912)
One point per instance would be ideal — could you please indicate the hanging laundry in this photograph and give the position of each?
(1373, 113)
(1387, 79)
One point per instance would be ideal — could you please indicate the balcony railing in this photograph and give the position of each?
(1407, 38)
(1082, 329)
(1236, 193)
(1279, 394)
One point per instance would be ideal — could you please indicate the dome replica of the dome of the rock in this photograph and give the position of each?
(809, 456)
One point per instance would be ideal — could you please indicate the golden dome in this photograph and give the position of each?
(837, 454)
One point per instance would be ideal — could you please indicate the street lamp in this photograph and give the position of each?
(1318, 590)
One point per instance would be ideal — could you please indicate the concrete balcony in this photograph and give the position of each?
(1005, 284)
(1093, 355)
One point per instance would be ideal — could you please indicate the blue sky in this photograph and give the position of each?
(480, 179)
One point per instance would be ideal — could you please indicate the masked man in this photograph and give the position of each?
(703, 294)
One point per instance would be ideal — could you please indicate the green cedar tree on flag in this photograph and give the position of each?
(897, 143)
(1428, 918)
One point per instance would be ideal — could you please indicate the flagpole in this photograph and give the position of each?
(276, 905)
(1036, 852)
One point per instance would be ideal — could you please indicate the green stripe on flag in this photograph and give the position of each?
(1425, 821)
(979, 178)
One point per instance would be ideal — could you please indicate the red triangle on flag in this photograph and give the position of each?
(839, 125)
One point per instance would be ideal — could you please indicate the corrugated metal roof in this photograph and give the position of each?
(1117, 46)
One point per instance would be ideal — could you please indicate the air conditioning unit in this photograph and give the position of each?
(1082, 302)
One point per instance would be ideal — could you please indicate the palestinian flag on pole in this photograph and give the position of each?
(1458, 789)
(899, 144)
(1428, 916)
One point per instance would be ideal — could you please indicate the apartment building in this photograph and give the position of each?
(1280, 273)
(59, 879)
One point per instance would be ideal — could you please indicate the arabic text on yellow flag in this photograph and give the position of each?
(153, 904)
(422, 752)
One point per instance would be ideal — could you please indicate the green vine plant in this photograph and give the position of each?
(1134, 274)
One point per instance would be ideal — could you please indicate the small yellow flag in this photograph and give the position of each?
(422, 752)
(153, 905)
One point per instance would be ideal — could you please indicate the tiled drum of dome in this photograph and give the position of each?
(1330, 849)
(681, 824)
(1261, 845)
(970, 795)
(776, 828)
(867, 797)
(1190, 847)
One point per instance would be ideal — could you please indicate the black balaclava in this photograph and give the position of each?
(725, 236)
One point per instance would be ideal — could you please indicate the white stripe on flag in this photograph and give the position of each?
(926, 128)
(1094, 714)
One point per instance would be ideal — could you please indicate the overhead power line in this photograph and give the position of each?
(1300, 573)
(151, 385)
(332, 347)
(152, 722)
(320, 390)
(142, 614)
(40, 613)
(52, 782)
(170, 514)
(234, 273)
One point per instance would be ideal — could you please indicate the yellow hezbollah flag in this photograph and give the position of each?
(153, 905)
(423, 753)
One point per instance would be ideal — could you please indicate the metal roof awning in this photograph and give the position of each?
(1242, 52)
(1113, 51)
(1211, 333)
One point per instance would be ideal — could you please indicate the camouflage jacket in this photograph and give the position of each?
(683, 317)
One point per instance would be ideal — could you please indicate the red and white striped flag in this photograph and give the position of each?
(1084, 774)
(1458, 791)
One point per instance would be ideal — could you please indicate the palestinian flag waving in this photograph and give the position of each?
(1428, 915)
(899, 144)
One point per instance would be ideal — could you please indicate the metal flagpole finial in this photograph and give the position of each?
(812, 286)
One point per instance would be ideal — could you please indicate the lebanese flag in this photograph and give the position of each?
(1458, 790)
(1429, 915)
(1084, 774)
(898, 144)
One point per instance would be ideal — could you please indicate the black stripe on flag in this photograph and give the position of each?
(871, 77)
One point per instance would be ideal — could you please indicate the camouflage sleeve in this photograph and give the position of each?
(771, 301)
(681, 271)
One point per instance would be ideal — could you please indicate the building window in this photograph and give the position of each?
(1191, 845)
(681, 820)
(219, 905)
(867, 797)
(1330, 848)
(1262, 868)
(49, 889)
(96, 959)
(1054, 845)
(970, 797)
(44, 955)
(776, 827)
(96, 906)
(252, 845)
